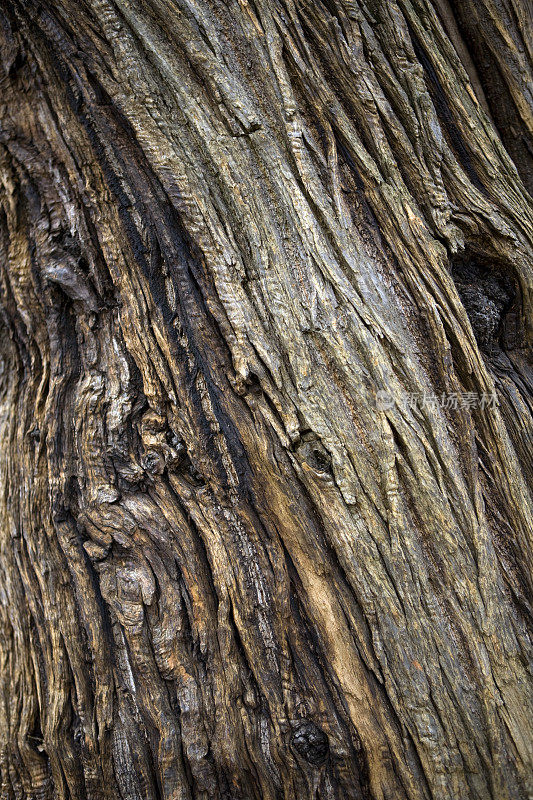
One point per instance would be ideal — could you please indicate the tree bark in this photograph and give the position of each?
(265, 265)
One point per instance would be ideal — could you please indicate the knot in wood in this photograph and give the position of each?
(315, 455)
(153, 463)
(311, 743)
(487, 295)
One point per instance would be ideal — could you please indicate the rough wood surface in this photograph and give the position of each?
(234, 562)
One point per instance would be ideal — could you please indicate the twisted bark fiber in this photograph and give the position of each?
(227, 229)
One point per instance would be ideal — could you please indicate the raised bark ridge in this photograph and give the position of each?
(227, 570)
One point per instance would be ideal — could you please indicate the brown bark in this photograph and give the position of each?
(228, 570)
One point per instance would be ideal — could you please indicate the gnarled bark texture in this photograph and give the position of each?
(229, 568)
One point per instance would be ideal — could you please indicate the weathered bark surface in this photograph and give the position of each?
(227, 571)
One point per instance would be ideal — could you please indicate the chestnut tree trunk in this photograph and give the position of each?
(265, 400)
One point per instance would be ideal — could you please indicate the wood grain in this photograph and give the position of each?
(228, 569)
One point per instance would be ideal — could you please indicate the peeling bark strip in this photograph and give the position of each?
(228, 570)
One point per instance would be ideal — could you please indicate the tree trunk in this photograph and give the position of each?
(265, 408)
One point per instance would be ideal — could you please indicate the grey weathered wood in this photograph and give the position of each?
(234, 561)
